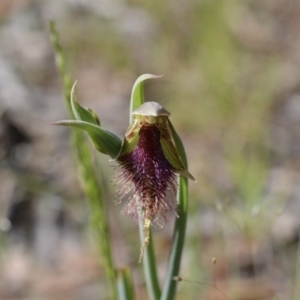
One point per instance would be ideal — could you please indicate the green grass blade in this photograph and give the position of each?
(169, 288)
(61, 67)
(149, 264)
(87, 177)
(125, 288)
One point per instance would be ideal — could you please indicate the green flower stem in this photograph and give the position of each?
(149, 267)
(87, 178)
(149, 264)
(169, 288)
(125, 288)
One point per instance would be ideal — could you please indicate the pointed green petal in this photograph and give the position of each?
(95, 116)
(103, 140)
(174, 159)
(81, 113)
(137, 94)
(169, 149)
(131, 138)
(178, 160)
(136, 102)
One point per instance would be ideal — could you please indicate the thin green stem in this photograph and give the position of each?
(149, 266)
(169, 288)
(125, 288)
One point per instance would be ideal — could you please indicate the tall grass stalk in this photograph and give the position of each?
(87, 177)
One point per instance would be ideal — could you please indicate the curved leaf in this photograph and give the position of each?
(103, 140)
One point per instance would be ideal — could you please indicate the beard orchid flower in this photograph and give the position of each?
(147, 157)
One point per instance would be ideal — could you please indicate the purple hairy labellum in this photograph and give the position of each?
(149, 164)
(150, 175)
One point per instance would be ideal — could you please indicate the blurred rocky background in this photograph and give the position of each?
(232, 83)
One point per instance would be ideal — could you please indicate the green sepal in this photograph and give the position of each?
(95, 116)
(82, 113)
(131, 138)
(103, 140)
(137, 99)
(171, 153)
(137, 94)
(173, 158)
